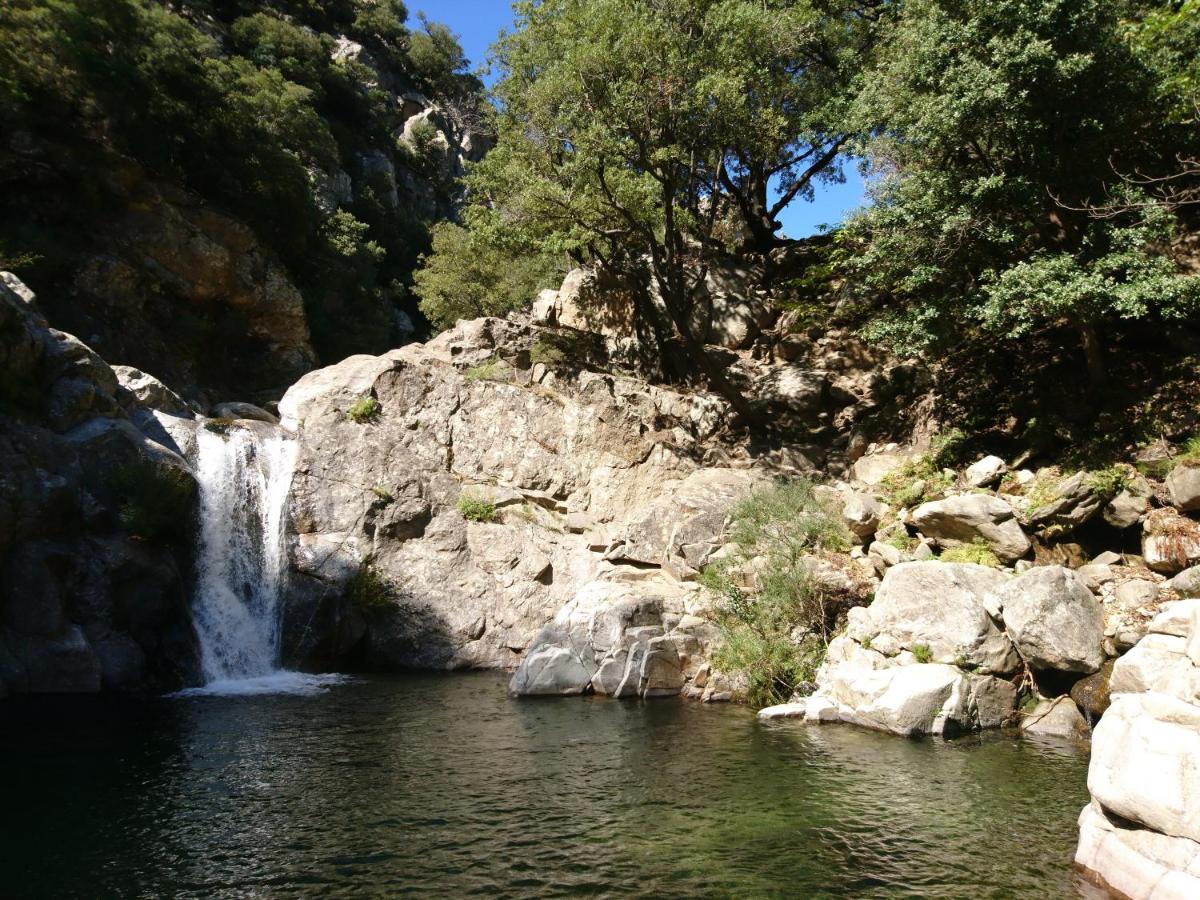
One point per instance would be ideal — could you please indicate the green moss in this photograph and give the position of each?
(155, 500)
(1109, 482)
(977, 552)
(475, 509)
(363, 410)
(368, 590)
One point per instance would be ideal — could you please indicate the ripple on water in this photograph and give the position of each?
(444, 786)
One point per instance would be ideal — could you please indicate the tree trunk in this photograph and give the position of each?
(1093, 352)
(695, 349)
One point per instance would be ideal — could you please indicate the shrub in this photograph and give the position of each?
(977, 552)
(922, 653)
(476, 509)
(364, 410)
(1107, 483)
(492, 370)
(154, 500)
(776, 637)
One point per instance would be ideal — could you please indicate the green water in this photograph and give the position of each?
(444, 787)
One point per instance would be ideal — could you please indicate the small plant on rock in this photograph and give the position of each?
(367, 590)
(363, 410)
(978, 552)
(1109, 482)
(775, 636)
(476, 509)
(921, 653)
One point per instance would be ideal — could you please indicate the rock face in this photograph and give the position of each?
(1053, 620)
(588, 495)
(971, 517)
(1141, 832)
(84, 604)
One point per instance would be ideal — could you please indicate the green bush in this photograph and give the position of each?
(476, 509)
(776, 637)
(977, 552)
(155, 500)
(922, 653)
(363, 410)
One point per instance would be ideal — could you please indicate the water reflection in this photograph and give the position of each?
(443, 786)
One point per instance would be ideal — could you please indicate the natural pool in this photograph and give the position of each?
(442, 786)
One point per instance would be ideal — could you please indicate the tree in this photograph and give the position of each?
(628, 130)
(992, 126)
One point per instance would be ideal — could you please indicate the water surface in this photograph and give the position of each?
(442, 786)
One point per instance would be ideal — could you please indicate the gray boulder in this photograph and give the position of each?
(1183, 484)
(970, 517)
(1058, 718)
(986, 472)
(237, 410)
(941, 607)
(1075, 501)
(1053, 619)
(1186, 583)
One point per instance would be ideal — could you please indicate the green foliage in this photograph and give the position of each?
(1109, 482)
(993, 125)
(368, 590)
(254, 124)
(476, 509)
(155, 500)
(922, 653)
(978, 552)
(492, 370)
(479, 272)
(363, 410)
(915, 481)
(776, 637)
(786, 521)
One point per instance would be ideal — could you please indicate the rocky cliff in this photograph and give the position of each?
(94, 535)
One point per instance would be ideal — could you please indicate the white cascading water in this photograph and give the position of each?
(241, 560)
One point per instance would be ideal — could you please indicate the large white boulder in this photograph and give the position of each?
(940, 607)
(967, 518)
(1054, 620)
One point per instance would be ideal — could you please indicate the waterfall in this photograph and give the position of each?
(241, 561)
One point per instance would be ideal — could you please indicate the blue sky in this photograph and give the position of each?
(478, 22)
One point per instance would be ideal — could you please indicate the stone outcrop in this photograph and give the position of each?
(590, 485)
(92, 591)
(1141, 832)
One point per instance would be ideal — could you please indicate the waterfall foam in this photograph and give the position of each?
(241, 560)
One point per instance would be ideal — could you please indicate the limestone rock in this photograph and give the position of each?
(1186, 583)
(861, 513)
(940, 606)
(1058, 718)
(1183, 484)
(1129, 506)
(1170, 541)
(1053, 620)
(986, 472)
(1075, 502)
(1135, 861)
(970, 517)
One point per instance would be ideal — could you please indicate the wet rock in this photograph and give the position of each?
(1092, 693)
(236, 410)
